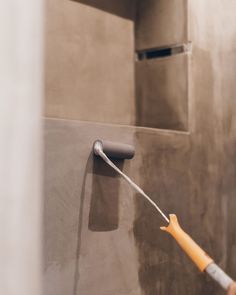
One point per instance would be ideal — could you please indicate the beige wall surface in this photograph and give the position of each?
(161, 23)
(99, 236)
(89, 61)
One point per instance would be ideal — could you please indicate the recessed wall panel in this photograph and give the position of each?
(90, 61)
(162, 92)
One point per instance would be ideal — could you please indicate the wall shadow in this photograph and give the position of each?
(104, 207)
(88, 168)
(157, 106)
(157, 112)
(122, 8)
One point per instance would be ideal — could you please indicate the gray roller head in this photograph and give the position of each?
(115, 150)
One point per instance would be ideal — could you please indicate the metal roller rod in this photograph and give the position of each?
(217, 274)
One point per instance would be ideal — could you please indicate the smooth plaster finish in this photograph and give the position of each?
(90, 70)
(124, 9)
(162, 92)
(161, 23)
(89, 61)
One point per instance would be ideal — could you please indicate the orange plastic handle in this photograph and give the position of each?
(198, 256)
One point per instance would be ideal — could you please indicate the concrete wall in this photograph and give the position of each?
(162, 84)
(89, 60)
(160, 23)
(162, 92)
(100, 237)
(213, 113)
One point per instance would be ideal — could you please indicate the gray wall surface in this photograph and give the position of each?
(89, 61)
(162, 92)
(102, 238)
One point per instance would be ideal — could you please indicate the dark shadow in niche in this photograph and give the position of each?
(157, 112)
(122, 8)
(104, 208)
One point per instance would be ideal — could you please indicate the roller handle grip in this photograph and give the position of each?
(196, 253)
(198, 256)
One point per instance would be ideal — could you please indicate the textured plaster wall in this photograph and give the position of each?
(213, 87)
(100, 237)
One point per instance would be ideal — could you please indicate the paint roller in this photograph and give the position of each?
(107, 150)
